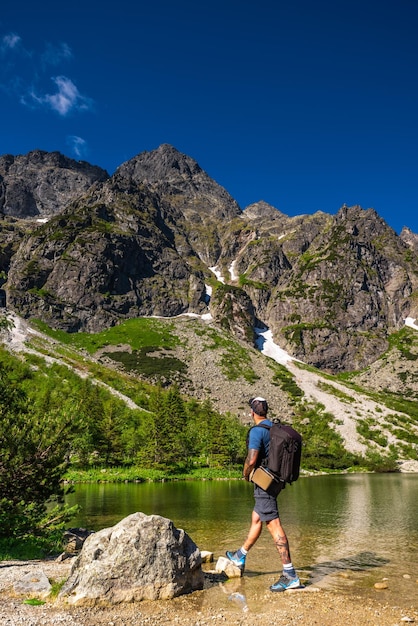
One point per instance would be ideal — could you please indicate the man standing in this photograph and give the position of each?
(265, 507)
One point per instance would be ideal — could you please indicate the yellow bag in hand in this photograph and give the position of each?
(265, 479)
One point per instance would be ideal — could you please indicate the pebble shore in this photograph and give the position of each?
(202, 608)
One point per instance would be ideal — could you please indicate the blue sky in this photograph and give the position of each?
(306, 105)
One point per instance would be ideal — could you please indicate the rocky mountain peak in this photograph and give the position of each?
(43, 183)
(356, 219)
(38, 159)
(262, 210)
(170, 173)
(165, 163)
(409, 238)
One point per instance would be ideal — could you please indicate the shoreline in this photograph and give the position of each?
(110, 475)
(306, 607)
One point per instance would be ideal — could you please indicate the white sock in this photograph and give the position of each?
(289, 570)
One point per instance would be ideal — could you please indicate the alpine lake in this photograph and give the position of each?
(346, 532)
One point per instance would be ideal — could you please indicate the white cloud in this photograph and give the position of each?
(10, 41)
(54, 55)
(78, 145)
(66, 99)
(22, 74)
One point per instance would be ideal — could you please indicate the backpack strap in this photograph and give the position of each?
(266, 426)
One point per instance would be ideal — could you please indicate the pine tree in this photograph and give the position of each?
(33, 452)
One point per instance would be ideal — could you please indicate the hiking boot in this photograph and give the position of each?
(238, 561)
(285, 582)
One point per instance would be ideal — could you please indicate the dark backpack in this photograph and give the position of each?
(285, 452)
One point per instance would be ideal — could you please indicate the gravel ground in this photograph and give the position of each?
(203, 608)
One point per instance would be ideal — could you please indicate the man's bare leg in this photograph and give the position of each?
(289, 579)
(254, 532)
(280, 540)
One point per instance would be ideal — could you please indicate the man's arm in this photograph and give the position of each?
(249, 463)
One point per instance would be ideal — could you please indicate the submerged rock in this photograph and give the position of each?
(225, 565)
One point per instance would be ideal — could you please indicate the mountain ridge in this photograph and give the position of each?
(144, 241)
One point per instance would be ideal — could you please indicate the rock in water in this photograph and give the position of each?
(143, 557)
(228, 567)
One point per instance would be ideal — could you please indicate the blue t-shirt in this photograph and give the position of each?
(259, 439)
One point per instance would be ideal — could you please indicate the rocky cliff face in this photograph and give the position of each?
(149, 239)
(193, 205)
(103, 260)
(43, 183)
(410, 238)
(345, 292)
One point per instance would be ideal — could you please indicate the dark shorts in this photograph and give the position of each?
(265, 505)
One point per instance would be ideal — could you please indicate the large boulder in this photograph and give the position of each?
(141, 558)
